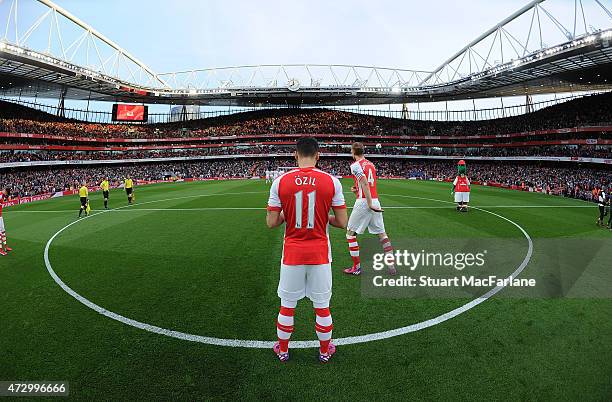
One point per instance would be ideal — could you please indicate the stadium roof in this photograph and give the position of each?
(512, 58)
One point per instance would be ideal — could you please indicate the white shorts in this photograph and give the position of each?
(1, 224)
(312, 281)
(462, 197)
(363, 217)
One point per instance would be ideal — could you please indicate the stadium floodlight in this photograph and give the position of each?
(2, 45)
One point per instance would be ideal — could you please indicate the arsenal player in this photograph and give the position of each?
(4, 249)
(461, 188)
(367, 212)
(602, 200)
(302, 199)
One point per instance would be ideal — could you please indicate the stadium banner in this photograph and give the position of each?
(28, 199)
(470, 268)
(285, 155)
(364, 138)
(134, 90)
(26, 147)
(10, 203)
(41, 197)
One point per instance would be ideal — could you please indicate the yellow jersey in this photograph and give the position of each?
(104, 185)
(83, 192)
(129, 183)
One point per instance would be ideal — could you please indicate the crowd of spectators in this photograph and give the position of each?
(588, 151)
(50, 180)
(569, 180)
(590, 110)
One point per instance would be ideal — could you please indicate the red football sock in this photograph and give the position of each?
(387, 248)
(354, 250)
(284, 327)
(323, 327)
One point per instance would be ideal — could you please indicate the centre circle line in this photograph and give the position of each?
(294, 344)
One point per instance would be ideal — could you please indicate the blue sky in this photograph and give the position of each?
(183, 34)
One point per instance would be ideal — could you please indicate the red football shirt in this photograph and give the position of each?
(365, 168)
(305, 196)
(462, 184)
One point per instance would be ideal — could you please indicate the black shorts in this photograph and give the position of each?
(84, 201)
(128, 191)
(105, 194)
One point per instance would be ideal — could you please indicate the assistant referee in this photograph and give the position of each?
(129, 188)
(83, 195)
(105, 187)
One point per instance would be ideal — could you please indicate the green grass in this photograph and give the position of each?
(215, 272)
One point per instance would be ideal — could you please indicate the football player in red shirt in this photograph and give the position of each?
(367, 212)
(302, 199)
(4, 249)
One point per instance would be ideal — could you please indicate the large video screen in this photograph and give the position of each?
(126, 112)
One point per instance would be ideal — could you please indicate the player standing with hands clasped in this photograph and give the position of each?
(367, 212)
(4, 249)
(601, 203)
(610, 212)
(302, 199)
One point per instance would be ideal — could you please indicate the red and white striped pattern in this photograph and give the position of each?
(386, 245)
(284, 327)
(354, 250)
(323, 327)
(387, 248)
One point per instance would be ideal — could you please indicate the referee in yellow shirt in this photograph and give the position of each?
(129, 189)
(105, 186)
(84, 195)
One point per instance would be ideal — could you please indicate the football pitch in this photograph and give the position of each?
(175, 298)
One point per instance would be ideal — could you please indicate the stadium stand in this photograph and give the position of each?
(247, 144)
(570, 181)
(586, 111)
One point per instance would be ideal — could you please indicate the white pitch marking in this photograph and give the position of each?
(147, 202)
(192, 209)
(294, 344)
(535, 206)
(49, 211)
(349, 207)
(263, 208)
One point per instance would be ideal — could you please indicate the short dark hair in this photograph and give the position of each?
(307, 146)
(358, 148)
